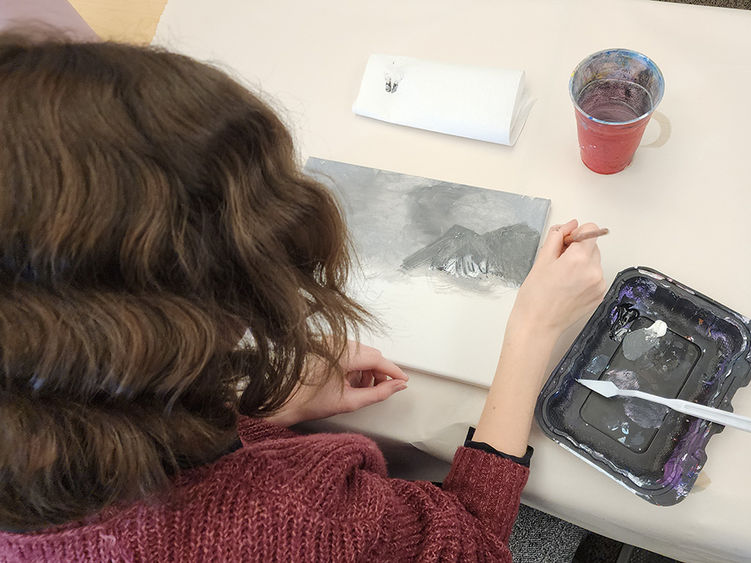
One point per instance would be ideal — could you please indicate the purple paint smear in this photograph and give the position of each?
(687, 460)
(637, 291)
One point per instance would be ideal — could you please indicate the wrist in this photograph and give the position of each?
(285, 417)
(530, 332)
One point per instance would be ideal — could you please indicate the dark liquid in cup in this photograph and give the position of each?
(614, 100)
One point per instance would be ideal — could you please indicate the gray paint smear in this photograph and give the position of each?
(597, 365)
(643, 413)
(639, 342)
(393, 216)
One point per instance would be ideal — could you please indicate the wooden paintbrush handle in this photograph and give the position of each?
(568, 239)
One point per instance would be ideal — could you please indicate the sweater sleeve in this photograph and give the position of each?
(339, 483)
(469, 519)
(328, 497)
(256, 429)
(489, 487)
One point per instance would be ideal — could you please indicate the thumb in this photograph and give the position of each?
(359, 397)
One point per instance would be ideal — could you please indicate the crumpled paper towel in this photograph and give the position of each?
(488, 104)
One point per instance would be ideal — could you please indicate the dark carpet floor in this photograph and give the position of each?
(739, 4)
(541, 538)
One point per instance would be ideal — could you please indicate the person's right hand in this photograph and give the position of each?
(565, 282)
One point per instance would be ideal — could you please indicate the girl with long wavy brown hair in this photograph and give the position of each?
(152, 212)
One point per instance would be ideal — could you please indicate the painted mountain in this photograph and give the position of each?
(507, 252)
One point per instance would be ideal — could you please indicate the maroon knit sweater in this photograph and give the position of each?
(287, 497)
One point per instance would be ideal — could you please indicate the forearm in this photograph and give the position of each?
(506, 419)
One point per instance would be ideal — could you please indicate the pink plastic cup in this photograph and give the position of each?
(615, 93)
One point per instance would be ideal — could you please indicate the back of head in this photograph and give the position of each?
(150, 211)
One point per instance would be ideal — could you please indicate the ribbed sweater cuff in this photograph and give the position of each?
(470, 443)
(489, 486)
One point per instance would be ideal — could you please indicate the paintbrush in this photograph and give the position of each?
(609, 389)
(578, 237)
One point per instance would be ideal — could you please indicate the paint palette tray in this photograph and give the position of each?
(654, 334)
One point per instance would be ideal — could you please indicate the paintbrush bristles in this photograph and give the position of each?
(568, 239)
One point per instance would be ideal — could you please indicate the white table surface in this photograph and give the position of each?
(682, 207)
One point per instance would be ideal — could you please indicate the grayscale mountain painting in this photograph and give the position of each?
(416, 224)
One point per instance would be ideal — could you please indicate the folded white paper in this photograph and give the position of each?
(488, 104)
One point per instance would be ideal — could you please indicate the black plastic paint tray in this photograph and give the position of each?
(654, 334)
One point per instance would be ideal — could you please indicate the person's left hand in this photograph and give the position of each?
(369, 378)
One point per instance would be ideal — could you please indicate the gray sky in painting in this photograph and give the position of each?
(392, 215)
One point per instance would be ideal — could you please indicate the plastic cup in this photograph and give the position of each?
(614, 93)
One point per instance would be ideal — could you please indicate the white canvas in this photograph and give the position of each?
(440, 264)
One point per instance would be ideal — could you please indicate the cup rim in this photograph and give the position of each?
(655, 103)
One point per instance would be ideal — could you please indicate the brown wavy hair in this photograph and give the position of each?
(151, 210)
